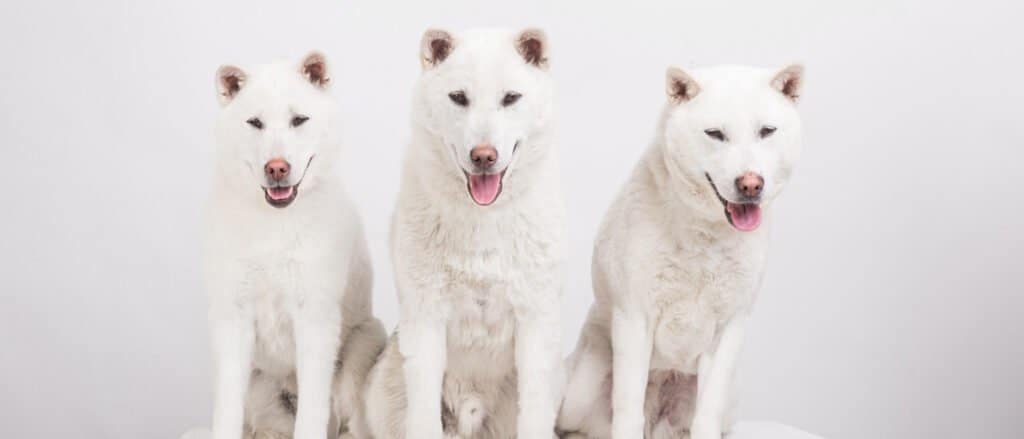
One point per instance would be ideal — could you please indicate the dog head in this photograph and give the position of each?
(736, 132)
(483, 94)
(275, 127)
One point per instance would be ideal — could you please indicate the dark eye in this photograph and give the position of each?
(510, 98)
(299, 120)
(459, 98)
(715, 133)
(766, 131)
(256, 123)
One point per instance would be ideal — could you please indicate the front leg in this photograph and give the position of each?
(317, 340)
(632, 345)
(714, 381)
(539, 372)
(422, 340)
(232, 338)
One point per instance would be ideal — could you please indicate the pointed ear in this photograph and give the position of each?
(229, 82)
(314, 68)
(790, 81)
(532, 45)
(680, 86)
(435, 47)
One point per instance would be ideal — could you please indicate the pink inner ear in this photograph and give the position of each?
(231, 80)
(532, 51)
(681, 87)
(314, 68)
(791, 86)
(316, 72)
(680, 90)
(439, 50)
(232, 84)
(788, 81)
(530, 45)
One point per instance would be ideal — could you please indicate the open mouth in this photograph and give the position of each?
(484, 188)
(281, 196)
(745, 217)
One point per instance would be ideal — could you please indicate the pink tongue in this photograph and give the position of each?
(280, 193)
(484, 188)
(745, 217)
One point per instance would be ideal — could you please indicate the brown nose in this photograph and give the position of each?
(277, 169)
(749, 184)
(483, 156)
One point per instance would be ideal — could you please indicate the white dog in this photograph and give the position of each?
(679, 259)
(286, 263)
(478, 245)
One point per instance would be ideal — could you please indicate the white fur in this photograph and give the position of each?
(476, 354)
(673, 280)
(289, 287)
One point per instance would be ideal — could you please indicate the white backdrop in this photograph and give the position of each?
(890, 308)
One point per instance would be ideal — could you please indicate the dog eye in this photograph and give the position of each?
(766, 131)
(715, 133)
(510, 98)
(299, 120)
(256, 123)
(459, 98)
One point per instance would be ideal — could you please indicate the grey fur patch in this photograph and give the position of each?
(289, 402)
(449, 423)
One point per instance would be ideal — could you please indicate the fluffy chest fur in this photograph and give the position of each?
(265, 285)
(264, 264)
(479, 267)
(700, 284)
(272, 296)
(274, 348)
(690, 274)
(479, 282)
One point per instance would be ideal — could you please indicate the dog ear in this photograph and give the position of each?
(790, 81)
(229, 82)
(314, 69)
(680, 86)
(435, 47)
(532, 45)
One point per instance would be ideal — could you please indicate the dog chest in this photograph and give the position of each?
(481, 334)
(694, 295)
(484, 280)
(274, 348)
(481, 327)
(275, 289)
(478, 267)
